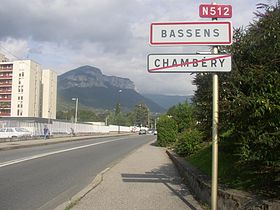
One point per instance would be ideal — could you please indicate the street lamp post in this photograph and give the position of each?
(119, 95)
(76, 111)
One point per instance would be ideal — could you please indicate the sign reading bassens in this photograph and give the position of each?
(191, 33)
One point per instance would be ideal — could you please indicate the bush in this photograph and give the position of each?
(167, 131)
(188, 142)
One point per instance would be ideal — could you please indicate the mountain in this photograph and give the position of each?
(99, 91)
(88, 77)
(167, 101)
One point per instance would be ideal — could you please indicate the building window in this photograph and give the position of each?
(21, 75)
(19, 112)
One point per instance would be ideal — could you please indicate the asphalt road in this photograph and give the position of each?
(46, 176)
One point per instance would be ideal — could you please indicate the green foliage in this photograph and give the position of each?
(249, 96)
(167, 131)
(118, 109)
(202, 160)
(141, 115)
(202, 102)
(67, 115)
(188, 142)
(233, 174)
(88, 116)
(176, 129)
(83, 115)
(255, 101)
(183, 115)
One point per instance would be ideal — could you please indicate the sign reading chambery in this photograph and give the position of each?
(188, 63)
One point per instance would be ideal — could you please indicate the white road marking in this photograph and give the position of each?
(11, 162)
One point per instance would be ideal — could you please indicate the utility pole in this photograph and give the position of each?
(119, 96)
(76, 111)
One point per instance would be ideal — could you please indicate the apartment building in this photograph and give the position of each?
(22, 89)
(49, 94)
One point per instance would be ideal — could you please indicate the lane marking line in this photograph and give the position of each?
(11, 162)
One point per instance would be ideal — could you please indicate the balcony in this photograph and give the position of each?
(5, 114)
(6, 84)
(5, 107)
(5, 91)
(6, 77)
(5, 99)
(6, 68)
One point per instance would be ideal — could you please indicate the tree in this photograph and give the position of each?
(250, 94)
(202, 102)
(141, 114)
(65, 114)
(255, 104)
(88, 116)
(167, 131)
(183, 115)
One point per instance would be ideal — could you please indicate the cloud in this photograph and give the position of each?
(14, 49)
(109, 34)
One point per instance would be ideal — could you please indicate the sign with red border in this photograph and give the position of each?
(215, 11)
(191, 33)
(188, 63)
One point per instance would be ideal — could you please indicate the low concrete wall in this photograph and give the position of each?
(228, 199)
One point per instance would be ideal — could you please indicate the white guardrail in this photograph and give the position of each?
(57, 128)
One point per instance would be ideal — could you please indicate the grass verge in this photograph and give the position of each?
(234, 175)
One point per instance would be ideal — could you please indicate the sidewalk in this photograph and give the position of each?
(144, 180)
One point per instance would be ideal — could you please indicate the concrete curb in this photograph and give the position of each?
(76, 198)
(228, 199)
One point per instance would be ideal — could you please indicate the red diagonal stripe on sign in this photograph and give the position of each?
(188, 63)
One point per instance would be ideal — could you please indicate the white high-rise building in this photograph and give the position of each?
(26, 90)
(49, 90)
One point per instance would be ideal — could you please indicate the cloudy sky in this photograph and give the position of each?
(112, 35)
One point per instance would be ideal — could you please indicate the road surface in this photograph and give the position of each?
(44, 177)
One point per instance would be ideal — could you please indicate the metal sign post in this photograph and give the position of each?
(215, 121)
(212, 33)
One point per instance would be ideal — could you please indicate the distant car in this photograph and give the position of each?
(155, 132)
(142, 132)
(150, 131)
(15, 132)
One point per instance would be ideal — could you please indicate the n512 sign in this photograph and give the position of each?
(215, 11)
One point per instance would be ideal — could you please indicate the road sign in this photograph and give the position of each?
(215, 11)
(191, 33)
(188, 63)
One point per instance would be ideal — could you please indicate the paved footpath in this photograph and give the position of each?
(146, 179)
